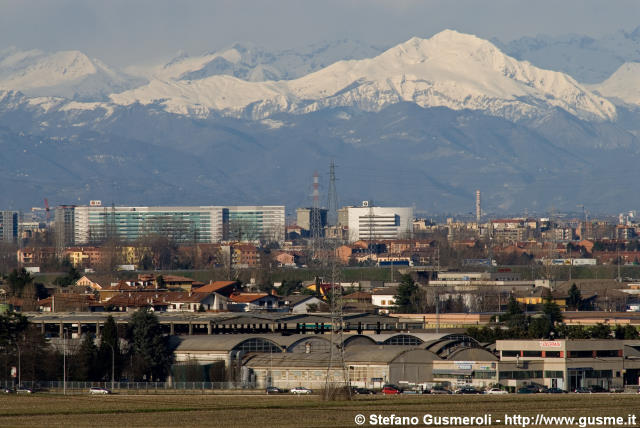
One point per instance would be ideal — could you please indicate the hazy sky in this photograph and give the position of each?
(123, 32)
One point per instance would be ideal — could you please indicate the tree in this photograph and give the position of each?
(600, 331)
(574, 301)
(87, 368)
(514, 317)
(69, 279)
(552, 312)
(109, 348)
(406, 297)
(627, 332)
(151, 353)
(17, 280)
(540, 327)
(12, 324)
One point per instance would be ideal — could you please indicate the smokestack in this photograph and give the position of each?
(478, 208)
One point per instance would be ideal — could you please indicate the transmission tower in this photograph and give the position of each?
(336, 356)
(332, 202)
(315, 225)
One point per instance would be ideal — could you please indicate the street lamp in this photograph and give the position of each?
(113, 362)
(19, 360)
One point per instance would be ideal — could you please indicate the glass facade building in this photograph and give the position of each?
(80, 225)
(253, 223)
(181, 224)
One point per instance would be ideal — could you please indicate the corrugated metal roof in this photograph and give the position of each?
(226, 342)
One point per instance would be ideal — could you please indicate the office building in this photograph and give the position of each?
(8, 226)
(94, 224)
(374, 223)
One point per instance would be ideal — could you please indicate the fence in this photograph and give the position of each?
(74, 387)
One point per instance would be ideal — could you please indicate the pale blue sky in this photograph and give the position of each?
(123, 32)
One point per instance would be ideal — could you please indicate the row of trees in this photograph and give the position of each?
(140, 352)
(515, 324)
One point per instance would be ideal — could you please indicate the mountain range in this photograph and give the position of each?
(425, 122)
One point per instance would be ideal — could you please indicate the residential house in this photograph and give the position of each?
(323, 291)
(302, 303)
(35, 256)
(286, 259)
(106, 293)
(175, 281)
(126, 302)
(223, 288)
(180, 301)
(245, 302)
(541, 295)
(245, 256)
(384, 299)
(66, 302)
(89, 283)
(83, 256)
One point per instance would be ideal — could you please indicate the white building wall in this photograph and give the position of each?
(379, 223)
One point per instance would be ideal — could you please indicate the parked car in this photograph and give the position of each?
(99, 390)
(7, 390)
(526, 390)
(496, 391)
(555, 391)
(440, 391)
(362, 391)
(597, 388)
(391, 390)
(468, 390)
(582, 390)
(301, 390)
(24, 390)
(274, 390)
(414, 391)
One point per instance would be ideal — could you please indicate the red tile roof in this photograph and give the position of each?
(247, 297)
(215, 286)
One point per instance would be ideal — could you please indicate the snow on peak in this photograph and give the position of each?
(623, 84)
(68, 74)
(451, 69)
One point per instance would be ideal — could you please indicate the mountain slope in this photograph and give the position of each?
(69, 74)
(451, 70)
(623, 85)
(249, 62)
(587, 59)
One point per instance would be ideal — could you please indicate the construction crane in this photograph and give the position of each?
(47, 210)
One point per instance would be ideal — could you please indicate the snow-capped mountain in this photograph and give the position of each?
(427, 121)
(586, 59)
(69, 74)
(247, 61)
(623, 86)
(453, 70)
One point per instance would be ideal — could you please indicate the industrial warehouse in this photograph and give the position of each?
(413, 360)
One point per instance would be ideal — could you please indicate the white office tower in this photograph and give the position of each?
(372, 223)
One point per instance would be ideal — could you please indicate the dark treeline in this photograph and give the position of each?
(138, 352)
(515, 324)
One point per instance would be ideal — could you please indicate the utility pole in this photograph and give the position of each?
(19, 363)
(64, 361)
(113, 364)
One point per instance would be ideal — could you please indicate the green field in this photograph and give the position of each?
(288, 411)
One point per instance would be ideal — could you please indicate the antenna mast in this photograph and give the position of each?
(332, 203)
